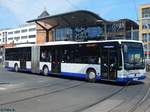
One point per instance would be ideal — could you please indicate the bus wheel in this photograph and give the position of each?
(91, 75)
(45, 70)
(16, 68)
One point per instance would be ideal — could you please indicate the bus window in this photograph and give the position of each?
(46, 55)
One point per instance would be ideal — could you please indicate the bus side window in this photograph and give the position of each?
(43, 56)
(49, 56)
(65, 55)
(93, 60)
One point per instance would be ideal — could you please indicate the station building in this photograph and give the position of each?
(144, 28)
(79, 25)
(82, 25)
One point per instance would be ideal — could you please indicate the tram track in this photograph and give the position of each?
(132, 109)
(41, 87)
(142, 100)
(100, 100)
(56, 91)
(137, 104)
(40, 95)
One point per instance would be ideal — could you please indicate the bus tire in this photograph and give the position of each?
(91, 75)
(45, 70)
(16, 68)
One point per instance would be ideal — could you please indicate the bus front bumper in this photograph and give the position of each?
(130, 79)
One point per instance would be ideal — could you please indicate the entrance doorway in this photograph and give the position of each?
(109, 63)
(56, 60)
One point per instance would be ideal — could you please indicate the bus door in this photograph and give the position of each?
(56, 60)
(22, 59)
(108, 63)
(23, 62)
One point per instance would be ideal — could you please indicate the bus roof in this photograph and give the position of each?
(73, 42)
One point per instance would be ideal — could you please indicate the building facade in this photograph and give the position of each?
(21, 35)
(144, 28)
(83, 25)
(24, 34)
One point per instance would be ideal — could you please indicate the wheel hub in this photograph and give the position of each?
(91, 75)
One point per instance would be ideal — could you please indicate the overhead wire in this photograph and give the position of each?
(71, 4)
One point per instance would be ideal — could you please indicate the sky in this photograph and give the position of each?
(16, 12)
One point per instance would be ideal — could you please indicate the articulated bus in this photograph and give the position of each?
(114, 60)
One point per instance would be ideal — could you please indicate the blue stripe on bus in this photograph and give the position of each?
(9, 68)
(129, 79)
(26, 70)
(81, 75)
(73, 74)
(78, 75)
(12, 69)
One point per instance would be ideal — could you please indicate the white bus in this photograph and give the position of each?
(115, 60)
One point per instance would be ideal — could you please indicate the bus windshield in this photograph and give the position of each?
(133, 55)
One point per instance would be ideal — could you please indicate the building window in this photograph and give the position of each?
(135, 35)
(10, 38)
(146, 13)
(31, 36)
(145, 37)
(24, 30)
(149, 47)
(9, 33)
(32, 29)
(3, 40)
(145, 47)
(63, 34)
(146, 24)
(16, 32)
(78, 33)
(89, 33)
(17, 38)
(149, 37)
(23, 37)
(93, 32)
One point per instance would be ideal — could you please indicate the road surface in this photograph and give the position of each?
(22, 92)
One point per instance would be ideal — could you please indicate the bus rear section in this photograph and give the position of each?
(23, 59)
(18, 59)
